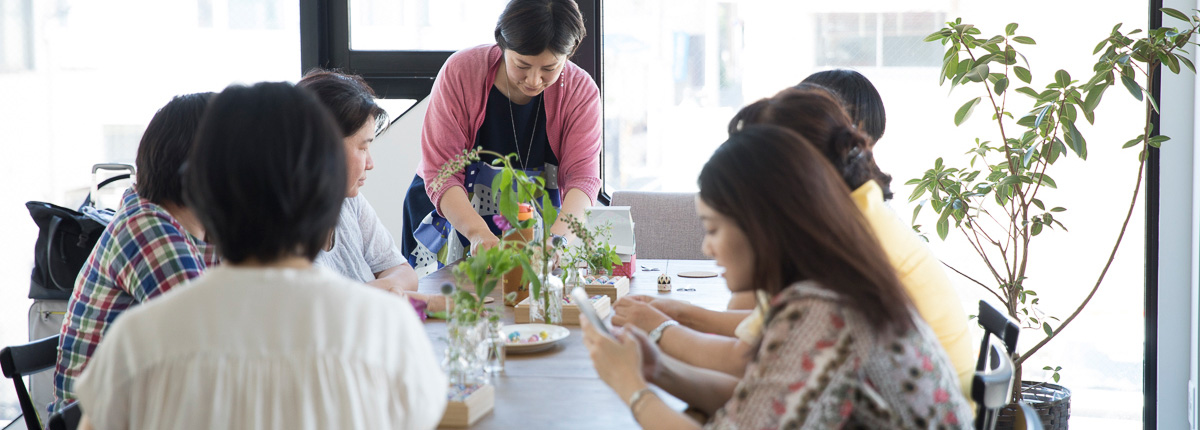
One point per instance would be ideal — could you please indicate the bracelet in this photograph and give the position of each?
(635, 399)
(656, 334)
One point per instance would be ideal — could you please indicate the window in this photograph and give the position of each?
(877, 39)
(422, 25)
(16, 35)
(90, 101)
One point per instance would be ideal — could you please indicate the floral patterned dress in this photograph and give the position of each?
(820, 365)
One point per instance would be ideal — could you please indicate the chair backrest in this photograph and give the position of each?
(23, 360)
(66, 419)
(992, 387)
(665, 224)
(997, 324)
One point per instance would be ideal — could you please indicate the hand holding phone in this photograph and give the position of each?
(580, 298)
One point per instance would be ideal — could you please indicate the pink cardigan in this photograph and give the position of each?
(456, 111)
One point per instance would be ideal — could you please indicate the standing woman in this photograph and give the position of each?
(519, 96)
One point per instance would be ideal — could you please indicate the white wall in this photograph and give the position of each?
(396, 153)
(1177, 281)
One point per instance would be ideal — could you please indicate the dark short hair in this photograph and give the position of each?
(858, 96)
(348, 97)
(816, 114)
(816, 233)
(165, 145)
(267, 175)
(529, 27)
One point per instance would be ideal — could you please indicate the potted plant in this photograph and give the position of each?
(593, 249)
(512, 188)
(994, 201)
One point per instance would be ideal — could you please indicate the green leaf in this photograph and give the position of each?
(1187, 63)
(1036, 229)
(1058, 209)
(1173, 14)
(1055, 377)
(1001, 85)
(1062, 78)
(1024, 39)
(1133, 141)
(1157, 141)
(937, 35)
(1075, 140)
(978, 73)
(1153, 102)
(1039, 204)
(1044, 179)
(1023, 74)
(1042, 115)
(1093, 98)
(943, 224)
(1010, 29)
(1132, 86)
(965, 111)
(1046, 328)
(1027, 91)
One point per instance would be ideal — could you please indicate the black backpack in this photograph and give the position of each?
(65, 240)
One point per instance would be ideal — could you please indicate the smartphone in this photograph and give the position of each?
(580, 298)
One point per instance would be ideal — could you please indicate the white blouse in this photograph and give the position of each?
(266, 349)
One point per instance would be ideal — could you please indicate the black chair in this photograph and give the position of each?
(992, 387)
(994, 368)
(67, 418)
(24, 360)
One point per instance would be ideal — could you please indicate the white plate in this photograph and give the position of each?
(554, 333)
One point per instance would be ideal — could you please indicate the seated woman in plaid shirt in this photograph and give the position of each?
(152, 245)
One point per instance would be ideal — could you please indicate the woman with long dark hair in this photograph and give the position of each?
(841, 346)
(521, 95)
(814, 113)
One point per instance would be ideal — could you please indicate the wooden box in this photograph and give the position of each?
(618, 289)
(467, 404)
(600, 302)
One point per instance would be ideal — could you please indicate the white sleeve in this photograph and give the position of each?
(101, 388)
(378, 246)
(420, 383)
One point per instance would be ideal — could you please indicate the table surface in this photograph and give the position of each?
(562, 378)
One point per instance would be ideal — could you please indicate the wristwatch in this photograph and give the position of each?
(656, 334)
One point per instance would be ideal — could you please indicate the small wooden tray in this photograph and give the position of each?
(600, 302)
(614, 291)
(467, 405)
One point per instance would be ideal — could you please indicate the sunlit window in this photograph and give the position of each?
(422, 25)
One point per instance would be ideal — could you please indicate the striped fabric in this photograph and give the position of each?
(143, 253)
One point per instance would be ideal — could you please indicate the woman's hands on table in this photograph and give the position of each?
(638, 311)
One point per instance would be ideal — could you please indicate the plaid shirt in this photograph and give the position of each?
(143, 253)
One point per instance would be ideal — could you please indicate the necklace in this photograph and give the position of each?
(512, 120)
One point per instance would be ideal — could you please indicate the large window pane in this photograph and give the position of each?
(422, 25)
(102, 69)
(676, 71)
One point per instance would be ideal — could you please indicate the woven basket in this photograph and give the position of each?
(1051, 401)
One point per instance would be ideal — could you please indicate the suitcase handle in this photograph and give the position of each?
(97, 186)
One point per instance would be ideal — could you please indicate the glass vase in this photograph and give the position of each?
(495, 348)
(466, 349)
(547, 304)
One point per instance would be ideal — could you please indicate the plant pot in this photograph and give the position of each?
(1051, 401)
(512, 279)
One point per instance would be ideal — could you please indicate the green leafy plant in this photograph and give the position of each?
(994, 201)
(477, 276)
(594, 248)
(511, 187)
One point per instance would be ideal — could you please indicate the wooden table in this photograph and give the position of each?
(559, 388)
